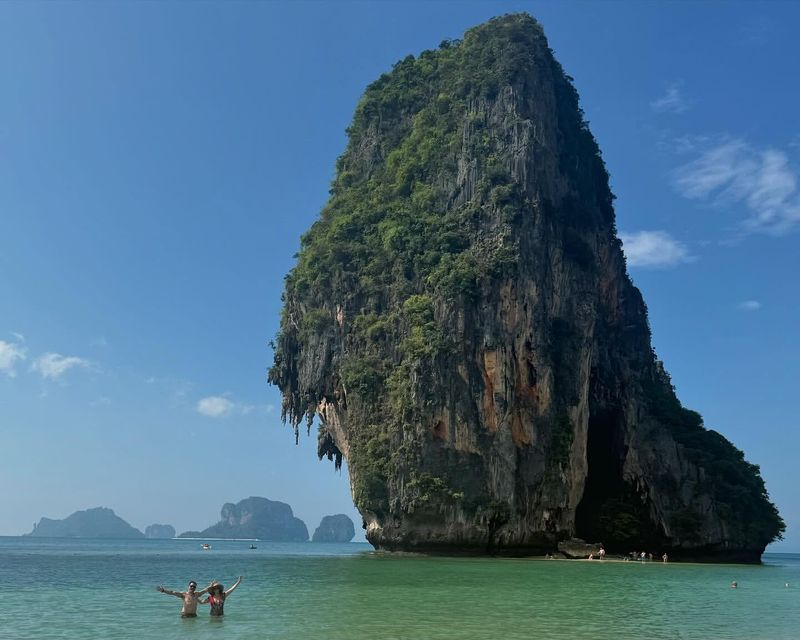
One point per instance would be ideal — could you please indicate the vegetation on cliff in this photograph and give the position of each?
(443, 198)
(736, 485)
(389, 247)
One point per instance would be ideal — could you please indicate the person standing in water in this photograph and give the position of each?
(217, 596)
(190, 598)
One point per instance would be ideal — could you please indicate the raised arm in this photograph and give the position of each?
(233, 586)
(169, 593)
(205, 589)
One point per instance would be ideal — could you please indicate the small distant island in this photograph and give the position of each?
(159, 531)
(338, 528)
(257, 518)
(99, 522)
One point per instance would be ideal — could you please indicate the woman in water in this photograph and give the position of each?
(217, 595)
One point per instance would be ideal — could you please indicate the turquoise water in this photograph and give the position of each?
(76, 589)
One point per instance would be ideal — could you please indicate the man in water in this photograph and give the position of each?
(190, 598)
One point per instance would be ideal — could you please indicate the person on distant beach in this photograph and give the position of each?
(190, 597)
(601, 553)
(665, 557)
(217, 596)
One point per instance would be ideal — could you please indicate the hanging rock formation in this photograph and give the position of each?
(461, 321)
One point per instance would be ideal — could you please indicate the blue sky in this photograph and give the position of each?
(159, 161)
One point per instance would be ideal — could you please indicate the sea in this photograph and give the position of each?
(106, 589)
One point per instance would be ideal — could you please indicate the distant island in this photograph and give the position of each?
(338, 528)
(258, 518)
(191, 534)
(159, 531)
(99, 522)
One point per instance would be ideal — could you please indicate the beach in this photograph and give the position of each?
(81, 589)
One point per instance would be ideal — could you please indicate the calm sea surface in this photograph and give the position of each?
(57, 588)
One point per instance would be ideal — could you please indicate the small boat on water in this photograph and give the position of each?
(252, 546)
(205, 546)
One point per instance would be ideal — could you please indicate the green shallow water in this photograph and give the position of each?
(77, 589)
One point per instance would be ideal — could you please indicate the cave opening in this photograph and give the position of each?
(611, 512)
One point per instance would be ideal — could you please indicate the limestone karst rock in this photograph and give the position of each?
(159, 531)
(258, 518)
(99, 522)
(336, 528)
(461, 321)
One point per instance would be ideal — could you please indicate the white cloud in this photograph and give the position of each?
(10, 353)
(221, 406)
(673, 100)
(733, 172)
(54, 365)
(750, 305)
(18, 336)
(653, 249)
(215, 406)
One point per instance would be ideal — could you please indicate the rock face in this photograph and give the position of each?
(338, 528)
(159, 531)
(92, 523)
(255, 518)
(461, 321)
(577, 548)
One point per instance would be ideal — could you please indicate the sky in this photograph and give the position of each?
(159, 162)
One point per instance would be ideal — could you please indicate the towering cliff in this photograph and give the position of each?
(461, 321)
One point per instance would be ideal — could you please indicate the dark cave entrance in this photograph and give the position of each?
(611, 512)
